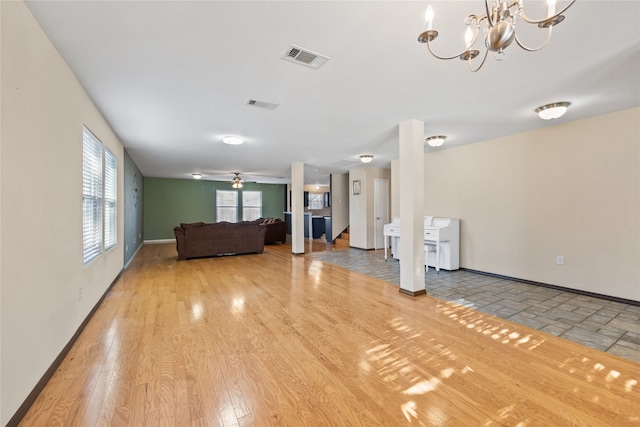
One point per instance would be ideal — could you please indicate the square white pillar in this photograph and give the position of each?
(411, 186)
(297, 208)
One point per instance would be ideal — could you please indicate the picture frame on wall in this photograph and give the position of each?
(356, 187)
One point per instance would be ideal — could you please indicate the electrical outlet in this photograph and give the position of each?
(560, 260)
(79, 294)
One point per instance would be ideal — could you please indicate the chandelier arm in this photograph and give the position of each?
(486, 52)
(528, 49)
(548, 18)
(489, 15)
(443, 57)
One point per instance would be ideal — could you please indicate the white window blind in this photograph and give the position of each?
(226, 206)
(251, 205)
(110, 194)
(91, 195)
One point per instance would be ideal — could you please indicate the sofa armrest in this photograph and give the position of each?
(262, 230)
(180, 239)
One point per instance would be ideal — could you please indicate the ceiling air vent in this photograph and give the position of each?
(262, 104)
(302, 56)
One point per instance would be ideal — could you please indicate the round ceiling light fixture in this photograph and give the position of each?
(196, 175)
(552, 111)
(366, 158)
(232, 140)
(436, 141)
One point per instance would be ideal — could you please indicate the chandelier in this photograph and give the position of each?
(236, 182)
(498, 27)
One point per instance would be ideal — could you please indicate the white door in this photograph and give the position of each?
(380, 210)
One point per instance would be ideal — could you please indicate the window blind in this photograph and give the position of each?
(226, 206)
(91, 195)
(251, 205)
(110, 195)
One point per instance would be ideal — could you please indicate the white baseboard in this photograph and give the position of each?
(154, 242)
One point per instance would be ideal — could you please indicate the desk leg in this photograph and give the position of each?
(386, 245)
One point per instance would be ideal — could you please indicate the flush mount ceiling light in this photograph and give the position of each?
(498, 27)
(232, 140)
(366, 158)
(436, 141)
(552, 111)
(236, 182)
(196, 175)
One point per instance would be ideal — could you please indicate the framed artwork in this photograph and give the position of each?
(356, 187)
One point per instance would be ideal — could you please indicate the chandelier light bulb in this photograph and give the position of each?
(428, 17)
(468, 36)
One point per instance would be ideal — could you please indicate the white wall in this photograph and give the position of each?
(571, 190)
(44, 108)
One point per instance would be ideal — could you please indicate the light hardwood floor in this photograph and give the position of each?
(276, 339)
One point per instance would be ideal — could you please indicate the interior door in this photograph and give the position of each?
(380, 210)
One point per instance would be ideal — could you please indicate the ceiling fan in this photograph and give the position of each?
(236, 182)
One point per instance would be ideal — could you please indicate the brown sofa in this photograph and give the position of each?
(201, 239)
(276, 230)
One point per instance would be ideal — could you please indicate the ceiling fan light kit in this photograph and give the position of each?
(498, 26)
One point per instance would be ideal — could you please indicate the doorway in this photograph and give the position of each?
(380, 210)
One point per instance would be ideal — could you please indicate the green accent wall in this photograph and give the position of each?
(168, 202)
(133, 218)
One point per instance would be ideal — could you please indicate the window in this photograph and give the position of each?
(251, 205)
(226, 206)
(99, 197)
(316, 202)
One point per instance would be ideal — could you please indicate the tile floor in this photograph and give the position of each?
(609, 326)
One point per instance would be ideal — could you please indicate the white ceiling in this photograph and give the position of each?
(172, 78)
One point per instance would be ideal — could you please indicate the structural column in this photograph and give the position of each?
(411, 179)
(297, 208)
